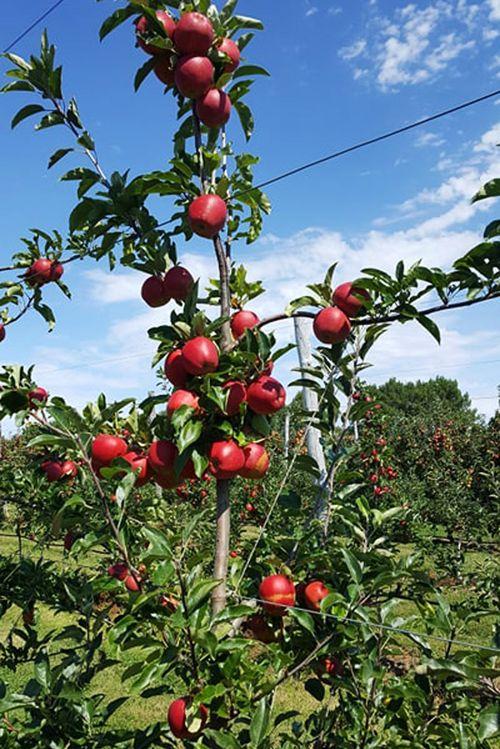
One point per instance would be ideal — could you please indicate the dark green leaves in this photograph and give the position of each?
(115, 20)
(28, 111)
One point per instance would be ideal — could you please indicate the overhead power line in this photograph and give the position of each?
(371, 141)
(33, 25)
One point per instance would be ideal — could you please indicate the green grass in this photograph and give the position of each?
(138, 712)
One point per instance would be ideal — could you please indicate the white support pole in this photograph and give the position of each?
(310, 401)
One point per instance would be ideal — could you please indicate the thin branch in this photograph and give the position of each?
(22, 312)
(395, 317)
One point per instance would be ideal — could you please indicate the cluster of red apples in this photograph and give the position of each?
(333, 324)
(188, 67)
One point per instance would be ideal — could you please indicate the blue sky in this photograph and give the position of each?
(341, 72)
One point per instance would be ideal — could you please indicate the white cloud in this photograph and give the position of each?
(495, 10)
(353, 50)
(429, 139)
(490, 140)
(417, 42)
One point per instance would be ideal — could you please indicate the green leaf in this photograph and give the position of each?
(199, 594)
(42, 670)
(492, 230)
(353, 565)
(430, 326)
(489, 190)
(58, 155)
(304, 619)
(316, 689)
(250, 70)
(143, 72)
(27, 111)
(259, 726)
(50, 440)
(246, 118)
(114, 20)
(489, 723)
(189, 433)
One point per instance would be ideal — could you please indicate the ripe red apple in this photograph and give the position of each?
(256, 461)
(243, 320)
(162, 455)
(207, 215)
(52, 470)
(140, 466)
(178, 282)
(194, 76)
(331, 325)
(39, 272)
(118, 570)
(194, 34)
(69, 469)
(233, 554)
(278, 592)
(2, 331)
(214, 108)
(174, 369)
(237, 394)
(107, 447)
(231, 49)
(37, 396)
(169, 602)
(200, 356)
(249, 507)
(226, 459)
(350, 298)
(314, 593)
(260, 629)
(154, 293)
(56, 271)
(181, 726)
(164, 69)
(182, 398)
(142, 28)
(133, 583)
(266, 395)
(331, 666)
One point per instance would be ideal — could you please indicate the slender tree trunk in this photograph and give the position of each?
(223, 531)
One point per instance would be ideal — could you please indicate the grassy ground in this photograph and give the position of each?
(140, 712)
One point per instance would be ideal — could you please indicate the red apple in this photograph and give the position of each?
(214, 108)
(207, 215)
(260, 629)
(2, 331)
(107, 447)
(314, 593)
(174, 368)
(233, 554)
(266, 395)
(164, 69)
(200, 356)
(332, 666)
(226, 459)
(243, 320)
(142, 28)
(350, 298)
(162, 455)
(169, 602)
(178, 282)
(194, 34)
(278, 592)
(182, 728)
(194, 76)
(118, 570)
(249, 507)
(52, 470)
(331, 325)
(182, 398)
(39, 272)
(256, 461)
(154, 292)
(56, 271)
(139, 464)
(69, 469)
(37, 396)
(133, 583)
(231, 49)
(237, 394)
